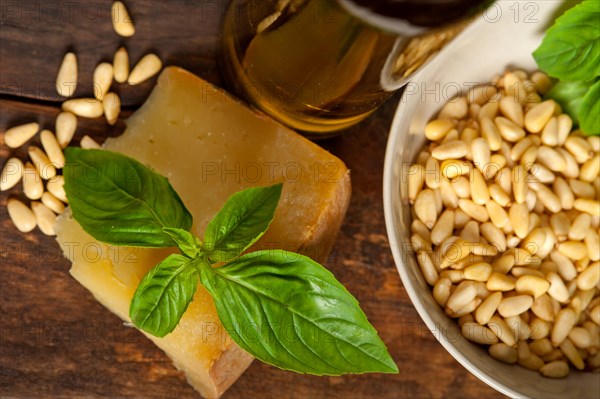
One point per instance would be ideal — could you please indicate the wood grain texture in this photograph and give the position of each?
(57, 341)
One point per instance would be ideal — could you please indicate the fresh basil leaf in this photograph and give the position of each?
(243, 219)
(571, 47)
(589, 114)
(119, 201)
(290, 312)
(570, 96)
(186, 241)
(163, 295)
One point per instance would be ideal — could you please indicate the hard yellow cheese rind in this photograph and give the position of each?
(210, 146)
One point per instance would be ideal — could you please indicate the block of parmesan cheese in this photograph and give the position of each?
(210, 146)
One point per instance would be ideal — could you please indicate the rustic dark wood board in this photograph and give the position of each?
(57, 341)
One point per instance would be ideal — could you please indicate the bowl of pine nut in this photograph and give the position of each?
(492, 212)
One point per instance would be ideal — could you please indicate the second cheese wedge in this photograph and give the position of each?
(210, 146)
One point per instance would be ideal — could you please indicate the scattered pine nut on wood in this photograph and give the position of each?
(12, 172)
(56, 187)
(66, 79)
(18, 135)
(41, 162)
(121, 20)
(22, 217)
(65, 126)
(45, 218)
(112, 107)
(33, 188)
(84, 107)
(52, 202)
(121, 65)
(103, 76)
(52, 148)
(88, 143)
(146, 68)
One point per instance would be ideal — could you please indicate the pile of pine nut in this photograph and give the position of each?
(505, 224)
(43, 167)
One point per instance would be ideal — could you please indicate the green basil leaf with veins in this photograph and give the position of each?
(163, 295)
(241, 222)
(119, 201)
(570, 97)
(589, 114)
(571, 47)
(290, 312)
(187, 243)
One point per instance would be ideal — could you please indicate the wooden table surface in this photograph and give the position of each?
(57, 341)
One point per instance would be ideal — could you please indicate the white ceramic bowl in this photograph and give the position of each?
(504, 37)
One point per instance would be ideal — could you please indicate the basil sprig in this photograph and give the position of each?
(283, 308)
(570, 52)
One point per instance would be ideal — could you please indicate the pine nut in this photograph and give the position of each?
(462, 296)
(89, 143)
(502, 331)
(556, 369)
(503, 352)
(441, 291)
(482, 94)
(519, 148)
(478, 272)
(499, 195)
(522, 349)
(532, 285)
(550, 133)
(565, 124)
(512, 110)
(572, 169)
(21, 216)
(488, 110)
(121, 20)
(477, 212)
(460, 217)
(529, 156)
(480, 149)
(542, 308)
(546, 197)
(52, 148)
(53, 203)
(121, 65)
(443, 228)
(509, 130)
(515, 305)
(580, 337)
(32, 182)
(84, 107)
(572, 249)
(500, 282)
(465, 310)
(419, 243)
(66, 124)
(103, 76)
(494, 235)
(587, 205)
(455, 252)
(592, 242)
(565, 195)
(565, 320)
(572, 354)
(541, 347)
(415, 180)
(566, 269)
(437, 129)
(579, 148)
(551, 159)
(19, 135)
(432, 173)
(12, 172)
(488, 307)
(449, 197)
(56, 187)
(537, 117)
(452, 168)
(590, 169)
(45, 218)
(541, 81)
(456, 108)
(478, 188)
(427, 267)
(479, 334)
(66, 79)
(461, 187)
(588, 278)
(557, 289)
(540, 173)
(146, 68)
(534, 240)
(490, 132)
(111, 105)
(519, 219)
(504, 264)
(580, 227)
(539, 328)
(519, 183)
(41, 162)
(560, 225)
